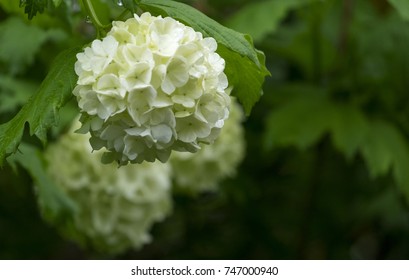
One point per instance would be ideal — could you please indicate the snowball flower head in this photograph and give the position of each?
(152, 85)
(117, 206)
(202, 171)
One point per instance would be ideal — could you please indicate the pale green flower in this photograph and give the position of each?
(118, 206)
(203, 171)
(148, 82)
(95, 59)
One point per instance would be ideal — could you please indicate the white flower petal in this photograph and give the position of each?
(162, 133)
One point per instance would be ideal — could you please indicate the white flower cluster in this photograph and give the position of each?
(152, 85)
(202, 171)
(118, 206)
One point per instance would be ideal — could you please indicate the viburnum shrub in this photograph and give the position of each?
(158, 78)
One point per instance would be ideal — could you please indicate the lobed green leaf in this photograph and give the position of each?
(300, 121)
(32, 7)
(40, 112)
(303, 120)
(386, 149)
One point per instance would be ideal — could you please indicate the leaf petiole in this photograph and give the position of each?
(90, 11)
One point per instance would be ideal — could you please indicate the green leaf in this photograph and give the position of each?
(129, 4)
(11, 6)
(376, 151)
(243, 62)
(40, 112)
(247, 82)
(303, 119)
(402, 6)
(14, 92)
(260, 18)
(57, 2)
(32, 7)
(56, 206)
(386, 149)
(20, 42)
(305, 115)
(349, 129)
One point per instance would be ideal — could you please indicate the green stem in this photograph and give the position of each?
(89, 9)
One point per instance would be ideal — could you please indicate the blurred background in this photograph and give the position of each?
(326, 171)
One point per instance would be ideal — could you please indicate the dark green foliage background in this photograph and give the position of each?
(326, 174)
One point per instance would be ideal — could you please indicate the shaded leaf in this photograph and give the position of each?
(349, 129)
(387, 208)
(260, 18)
(402, 6)
(14, 92)
(56, 206)
(20, 42)
(40, 112)
(129, 4)
(386, 149)
(57, 2)
(32, 7)
(300, 122)
(303, 120)
(376, 150)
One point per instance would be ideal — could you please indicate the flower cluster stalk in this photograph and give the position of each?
(91, 13)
